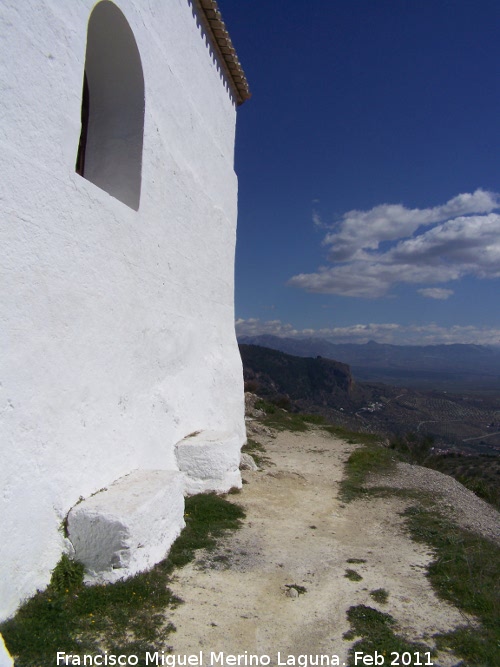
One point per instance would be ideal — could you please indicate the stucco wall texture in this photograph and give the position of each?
(117, 324)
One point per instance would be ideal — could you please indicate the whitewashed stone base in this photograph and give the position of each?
(5, 659)
(128, 527)
(210, 461)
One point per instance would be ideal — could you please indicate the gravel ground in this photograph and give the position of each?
(460, 504)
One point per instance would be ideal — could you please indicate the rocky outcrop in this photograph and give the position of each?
(321, 381)
(247, 462)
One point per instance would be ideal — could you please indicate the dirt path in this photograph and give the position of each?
(298, 532)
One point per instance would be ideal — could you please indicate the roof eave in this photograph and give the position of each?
(213, 24)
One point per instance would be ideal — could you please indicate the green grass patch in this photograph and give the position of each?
(377, 632)
(362, 462)
(466, 572)
(380, 595)
(291, 421)
(356, 560)
(281, 420)
(265, 406)
(208, 516)
(251, 446)
(128, 617)
(67, 575)
(352, 575)
(353, 437)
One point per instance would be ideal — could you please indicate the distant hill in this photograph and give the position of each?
(318, 381)
(447, 367)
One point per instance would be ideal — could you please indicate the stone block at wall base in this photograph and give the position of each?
(128, 527)
(210, 461)
(5, 658)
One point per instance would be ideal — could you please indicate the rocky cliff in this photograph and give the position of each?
(319, 381)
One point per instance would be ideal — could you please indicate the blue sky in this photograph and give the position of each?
(369, 165)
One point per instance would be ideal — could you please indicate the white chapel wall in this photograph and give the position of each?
(117, 324)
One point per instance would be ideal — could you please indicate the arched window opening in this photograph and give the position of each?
(110, 148)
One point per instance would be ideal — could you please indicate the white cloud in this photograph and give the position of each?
(361, 230)
(464, 240)
(395, 334)
(316, 218)
(436, 293)
(255, 327)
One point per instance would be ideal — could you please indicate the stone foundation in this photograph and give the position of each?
(210, 460)
(128, 527)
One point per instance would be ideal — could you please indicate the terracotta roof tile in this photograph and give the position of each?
(213, 24)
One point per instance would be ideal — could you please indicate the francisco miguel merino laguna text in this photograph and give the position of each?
(160, 658)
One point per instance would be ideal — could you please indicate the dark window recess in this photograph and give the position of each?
(82, 145)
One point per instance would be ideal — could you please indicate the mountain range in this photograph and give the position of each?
(451, 367)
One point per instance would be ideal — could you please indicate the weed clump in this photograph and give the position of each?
(301, 590)
(380, 595)
(67, 575)
(376, 630)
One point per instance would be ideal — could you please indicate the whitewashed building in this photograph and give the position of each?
(120, 378)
